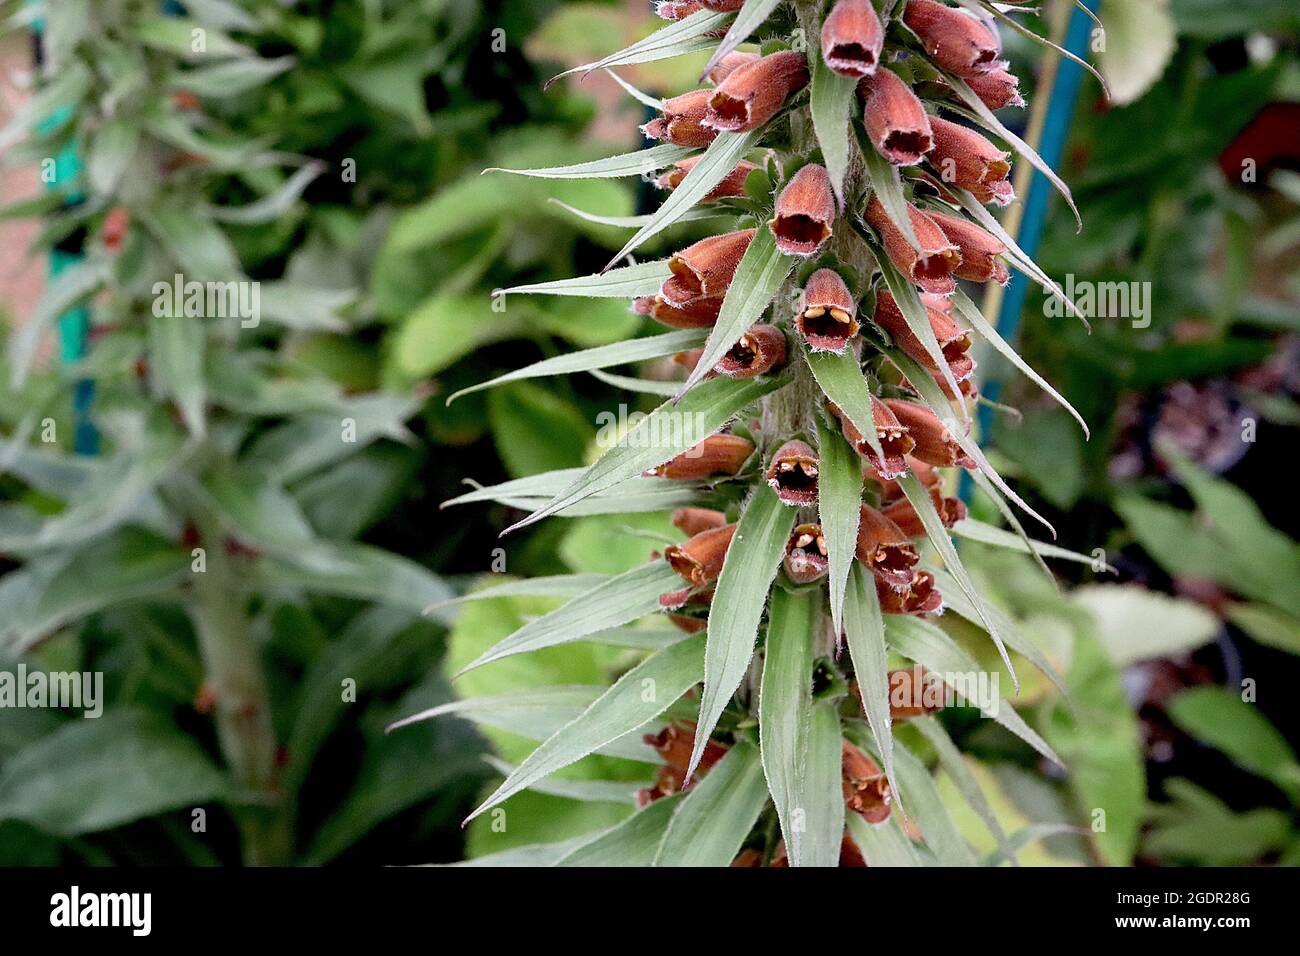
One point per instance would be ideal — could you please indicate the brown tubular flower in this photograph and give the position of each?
(733, 184)
(674, 744)
(681, 121)
(760, 350)
(998, 88)
(951, 510)
(691, 521)
(698, 313)
(677, 9)
(751, 94)
(793, 473)
(889, 488)
(852, 38)
(920, 598)
(827, 316)
(698, 560)
(866, 789)
(704, 269)
(729, 64)
(806, 555)
(716, 455)
(722, 6)
(804, 212)
(955, 41)
(934, 443)
(913, 694)
(979, 249)
(953, 341)
(895, 442)
(932, 269)
(895, 120)
(967, 160)
(885, 549)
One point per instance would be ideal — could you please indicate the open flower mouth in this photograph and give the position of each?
(907, 146)
(806, 554)
(683, 285)
(689, 568)
(793, 473)
(984, 59)
(852, 59)
(893, 563)
(827, 330)
(920, 598)
(757, 352)
(995, 172)
(726, 112)
(799, 235)
(961, 364)
(937, 267)
(870, 798)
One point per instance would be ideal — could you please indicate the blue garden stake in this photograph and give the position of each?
(1056, 128)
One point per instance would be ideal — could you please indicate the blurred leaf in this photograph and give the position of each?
(1179, 829)
(176, 347)
(1218, 19)
(535, 430)
(444, 329)
(1140, 41)
(1135, 624)
(1267, 625)
(1221, 719)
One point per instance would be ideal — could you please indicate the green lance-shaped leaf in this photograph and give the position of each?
(920, 501)
(232, 77)
(636, 698)
(619, 353)
(931, 816)
(638, 163)
(973, 530)
(645, 99)
(832, 101)
(760, 274)
(642, 386)
(554, 585)
(747, 573)
(616, 602)
(750, 18)
(1223, 720)
(883, 844)
(982, 482)
(980, 113)
(627, 282)
(536, 713)
(689, 35)
(634, 842)
(273, 205)
(713, 166)
(822, 790)
(636, 222)
(887, 183)
(621, 792)
(914, 313)
(785, 709)
(634, 494)
(664, 433)
(839, 500)
(969, 312)
(951, 760)
(63, 292)
(176, 345)
(928, 645)
(864, 632)
(711, 823)
(842, 381)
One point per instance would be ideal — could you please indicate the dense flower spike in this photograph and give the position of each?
(934, 443)
(852, 38)
(751, 94)
(733, 184)
(806, 557)
(956, 41)
(793, 473)
(953, 341)
(933, 267)
(716, 455)
(866, 788)
(827, 316)
(759, 351)
(705, 269)
(979, 249)
(967, 160)
(682, 121)
(919, 599)
(804, 212)
(895, 120)
(885, 549)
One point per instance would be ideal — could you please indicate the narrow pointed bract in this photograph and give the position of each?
(827, 317)
(852, 38)
(793, 473)
(895, 120)
(751, 94)
(931, 268)
(804, 212)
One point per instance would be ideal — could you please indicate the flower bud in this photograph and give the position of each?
(852, 38)
(827, 316)
(700, 313)
(920, 598)
(979, 249)
(866, 788)
(681, 121)
(955, 41)
(896, 122)
(997, 88)
(705, 268)
(691, 521)
(804, 212)
(913, 693)
(885, 549)
(806, 555)
(954, 342)
(751, 94)
(729, 64)
(733, 184)
(931, 269)
(759, 350)
(967, 160)
(716, 455)
(793, 473)
(934, 443)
